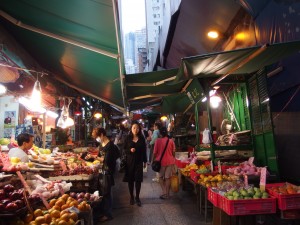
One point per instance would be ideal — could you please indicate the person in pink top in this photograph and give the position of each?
(167, 162)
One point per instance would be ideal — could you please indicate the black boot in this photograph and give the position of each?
(138, 201)
(132, 200)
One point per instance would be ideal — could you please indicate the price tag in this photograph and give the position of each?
(263, 175)
(219, 167)
(63, 165)
(246, 180)
(211, 166)
(251, 160)
(45, 202)
(86, 184)
(23, 182)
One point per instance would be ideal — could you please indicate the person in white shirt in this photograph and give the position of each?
(25, 142)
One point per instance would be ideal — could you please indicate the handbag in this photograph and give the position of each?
(156, 165)
(174, 183)
(105, 182)
(123, 163)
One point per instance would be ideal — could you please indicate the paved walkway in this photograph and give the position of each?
(179, 209)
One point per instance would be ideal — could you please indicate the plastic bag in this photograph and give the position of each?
(174, 183)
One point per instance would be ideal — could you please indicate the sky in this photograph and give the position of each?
(133, 15)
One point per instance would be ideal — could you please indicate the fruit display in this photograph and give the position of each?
(186, 170)
(12, 199)
(246, 193)
(50, 189)
(285, 188)
(245, 168)
(4, 141)
(210, 180)
(203, 169)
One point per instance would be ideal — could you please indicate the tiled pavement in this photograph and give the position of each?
(180, 209)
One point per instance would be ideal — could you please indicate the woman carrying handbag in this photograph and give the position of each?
(164, 149)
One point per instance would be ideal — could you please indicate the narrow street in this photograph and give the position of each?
(178, 210)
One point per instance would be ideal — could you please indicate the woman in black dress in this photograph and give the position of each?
(136, 159)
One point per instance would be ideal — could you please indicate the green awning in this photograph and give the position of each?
(76, 41)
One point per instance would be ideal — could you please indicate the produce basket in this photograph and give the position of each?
(180, 164)
(248, 206)
(285, 201)
(213, 197)
(194, 176)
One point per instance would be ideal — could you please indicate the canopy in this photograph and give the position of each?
(77, 41)
(176, 84)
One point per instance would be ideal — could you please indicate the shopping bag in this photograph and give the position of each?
(145, 169)
(123, 163)
(105, 182)
(174, 183)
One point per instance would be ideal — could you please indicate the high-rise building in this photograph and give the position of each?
(141, 50)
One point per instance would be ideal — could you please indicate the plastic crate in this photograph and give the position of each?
(248, 207)
(213, 197)
(194, 176)
(180, 164)
(285, 201)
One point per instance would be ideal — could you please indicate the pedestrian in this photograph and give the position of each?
(155, 135)
(167, 162)
(136, 160)
(107, 156)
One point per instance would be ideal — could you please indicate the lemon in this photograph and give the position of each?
(15, 160)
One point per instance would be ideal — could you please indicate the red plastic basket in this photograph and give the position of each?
(248, 207)
(180, 164)
(285, 201)
(213, 197)
(194, 176)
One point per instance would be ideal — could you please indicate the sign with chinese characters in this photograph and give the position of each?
(195, 91)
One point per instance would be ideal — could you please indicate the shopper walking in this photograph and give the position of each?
(167, 162)
(155, 135)
(107, 156)
(136, 160)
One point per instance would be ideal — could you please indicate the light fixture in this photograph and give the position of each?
(163, 118)
(30, 106)
(52, 114)
(98, 114)
(213, 34)
(215, 101)
(64, 120)
(2, 89)
(36, 94)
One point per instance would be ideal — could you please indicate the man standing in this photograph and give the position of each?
(25, 142)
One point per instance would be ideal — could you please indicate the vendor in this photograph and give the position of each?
(25, 142)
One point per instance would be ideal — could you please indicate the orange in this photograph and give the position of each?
(48, 218)
(65, 206)
(60, 202)
(37, 213)
(65, 197)
(74, 216)
(52, 202)
(62, 222)
(55, 214)
(65, 217)
(28, 218)
(40, 220)
(56, 207)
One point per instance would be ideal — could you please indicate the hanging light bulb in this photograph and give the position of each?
(98, 115)
(36, 94)
(215, 101)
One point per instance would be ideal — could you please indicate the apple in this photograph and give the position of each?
(11, 206)
(5, 201)
(19, 203)
(8, 188)
(2, 194)
(87, 196)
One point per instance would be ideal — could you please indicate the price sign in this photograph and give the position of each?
(23, 182)
(263, 176)
(251, 160)
(219, 167)
(63, 165)
(246, 180)
(46, 204)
